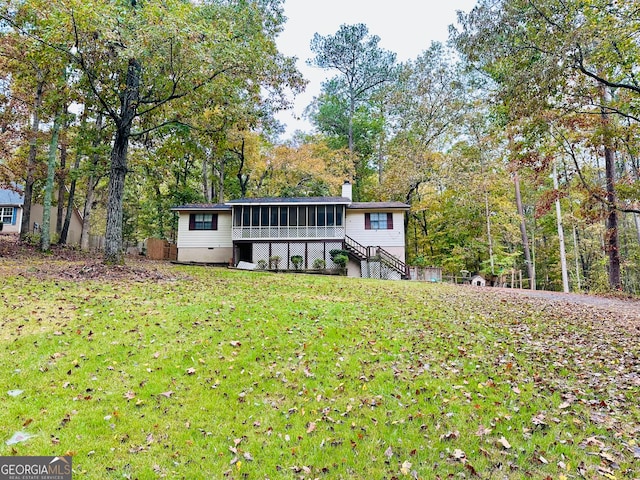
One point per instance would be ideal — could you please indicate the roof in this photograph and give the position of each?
(378, 206)
(203, 207)
(289, 200)
(10, 197)
(292, 201)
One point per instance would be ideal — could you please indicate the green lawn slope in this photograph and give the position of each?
(158, 371)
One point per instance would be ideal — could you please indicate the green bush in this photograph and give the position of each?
(340, 260)
(297, 261)
(319, 264)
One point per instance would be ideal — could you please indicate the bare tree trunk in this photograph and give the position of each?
(611, 244)
(61, 177)
(129, 100)
(45, 234)
(118, 172)
(523, 233)
(64, 233)
(563, 255)
(91, 185)
(31, 162)
(221, 181)
(205, 179)
(611, 238)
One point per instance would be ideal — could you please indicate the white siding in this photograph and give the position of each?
(206, 255)
(387, 239)
(205, 238)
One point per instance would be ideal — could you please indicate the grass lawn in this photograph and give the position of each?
(195, 372)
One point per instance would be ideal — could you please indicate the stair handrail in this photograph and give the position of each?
(358, 247)
(392, 261)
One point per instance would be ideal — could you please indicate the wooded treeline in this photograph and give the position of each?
(178, 99)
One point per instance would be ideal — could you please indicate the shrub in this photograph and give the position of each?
(319, 264)
(297, 261)
(340, 260)
(262, 265)
(274, 261)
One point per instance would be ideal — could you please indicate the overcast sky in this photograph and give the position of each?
(406, 27)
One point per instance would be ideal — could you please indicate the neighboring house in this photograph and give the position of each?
(11, 203)
(10, 211)
(259, 230)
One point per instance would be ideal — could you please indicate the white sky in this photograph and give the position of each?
(406, 27)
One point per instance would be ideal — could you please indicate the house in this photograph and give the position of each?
(269, 231)
(11, 202)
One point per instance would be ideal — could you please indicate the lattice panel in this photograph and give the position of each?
(331, 246)
(280, 250)
(261, 252)
(315, 251)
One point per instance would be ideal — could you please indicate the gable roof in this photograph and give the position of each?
(291, 201)
(11, 197)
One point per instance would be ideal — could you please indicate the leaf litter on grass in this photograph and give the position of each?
(426, 381)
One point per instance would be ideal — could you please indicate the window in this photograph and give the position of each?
(203, 221)
(378, 221)
(283, 216)
(321, 217)
(6, 215)
(302, 216)
(293, 216)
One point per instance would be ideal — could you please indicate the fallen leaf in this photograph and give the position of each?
(459, 454)
(130, 395)
(167, 394)
(505, 444)
(191, 371)
(406, 467)
(388, 452)
(311, 427)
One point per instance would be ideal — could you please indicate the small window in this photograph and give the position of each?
(283, 216)
(6, 215)
(378, 221)
(203, 221)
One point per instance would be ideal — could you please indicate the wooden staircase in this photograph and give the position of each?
(360, 253)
